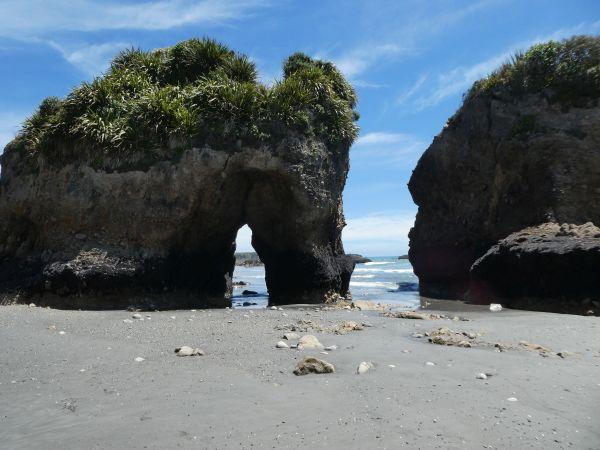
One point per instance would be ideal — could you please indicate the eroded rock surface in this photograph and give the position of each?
(74, 229)
(486, 176)
(550, 267)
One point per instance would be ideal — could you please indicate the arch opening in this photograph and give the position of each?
(248, 278)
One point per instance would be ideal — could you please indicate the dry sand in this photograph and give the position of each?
(84, 389)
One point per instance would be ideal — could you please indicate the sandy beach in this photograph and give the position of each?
(70, 380)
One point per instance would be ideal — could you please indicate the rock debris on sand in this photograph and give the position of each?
(281, 344)
(313, 365)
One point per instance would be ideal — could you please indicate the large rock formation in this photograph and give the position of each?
(522, 150)
(100, 208)
(551, 267)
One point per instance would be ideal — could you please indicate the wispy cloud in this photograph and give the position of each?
(457, 80)
(385, 148)
(358, 60)
(408, 94)
(25, 18)
(90, 59)
(380, 233)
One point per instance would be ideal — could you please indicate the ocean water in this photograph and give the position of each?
(386, 279)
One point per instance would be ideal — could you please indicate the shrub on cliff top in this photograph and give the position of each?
(197, 91)
(568, 71)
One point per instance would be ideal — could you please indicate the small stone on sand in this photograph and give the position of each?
(481, 376)
(291, 336)
(127, 321)
(512, 399)
(429, 363)
(139, 359)
(330, 348)
(188, 351)
(281, 344)
(313, 365)
(364, 367)
(274, 308)
(62, 332)
(137, 316)
(495, 307)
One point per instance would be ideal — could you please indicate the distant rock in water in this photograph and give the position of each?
(403, 257)
(521, 151)
(556, 265)
(359, 259)
(406, 286)
(249, 259)
(136, 184)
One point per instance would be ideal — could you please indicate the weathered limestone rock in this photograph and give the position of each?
(173, 225)
(549, 267)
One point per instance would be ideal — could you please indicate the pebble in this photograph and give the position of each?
(564, 354)
(364, 367)
(32, 305)
(188, 351)
(137, 316)
(495, 307)
(172, 317)
(429, 363)
(291, 336)
(62, 332)
(330, 348)
(481, 376)
(127, 321)
(367, 324)
(391, 365)
(418, 335)
(281, 344)
(139, 359)
(274, 308)
(512, 399)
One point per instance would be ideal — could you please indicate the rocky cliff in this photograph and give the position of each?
(522, 150)
(135, 185)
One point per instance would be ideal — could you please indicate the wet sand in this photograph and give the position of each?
(84, 389)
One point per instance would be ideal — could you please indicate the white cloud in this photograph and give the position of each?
(378, 234)
(29, 18)
(459, 79)
(358, 60)
(407, 95)
(379, 137)
(385, 148)
(90, 59)
(243, 241)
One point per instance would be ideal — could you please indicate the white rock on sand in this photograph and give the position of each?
(291, 336)
(281, 344)
(481, 376)
(188, 351)
(364, 367)
(308, 341)
(495, 307)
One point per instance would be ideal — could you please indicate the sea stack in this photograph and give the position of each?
(522, 151)
(136, 184)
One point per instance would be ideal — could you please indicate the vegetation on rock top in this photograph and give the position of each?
(567, 71)
(196, 92)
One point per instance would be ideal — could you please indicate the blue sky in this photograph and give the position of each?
(410, 62)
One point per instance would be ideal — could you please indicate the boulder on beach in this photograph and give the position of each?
(520, 152)
(550, 267)
(138, 182)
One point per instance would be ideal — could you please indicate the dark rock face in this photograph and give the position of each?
(549, 267)
(87, 237)
(501, 164)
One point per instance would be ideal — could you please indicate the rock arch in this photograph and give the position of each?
(87, 238)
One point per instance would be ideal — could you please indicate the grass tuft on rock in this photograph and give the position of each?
(196, 92)
(567, 72)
